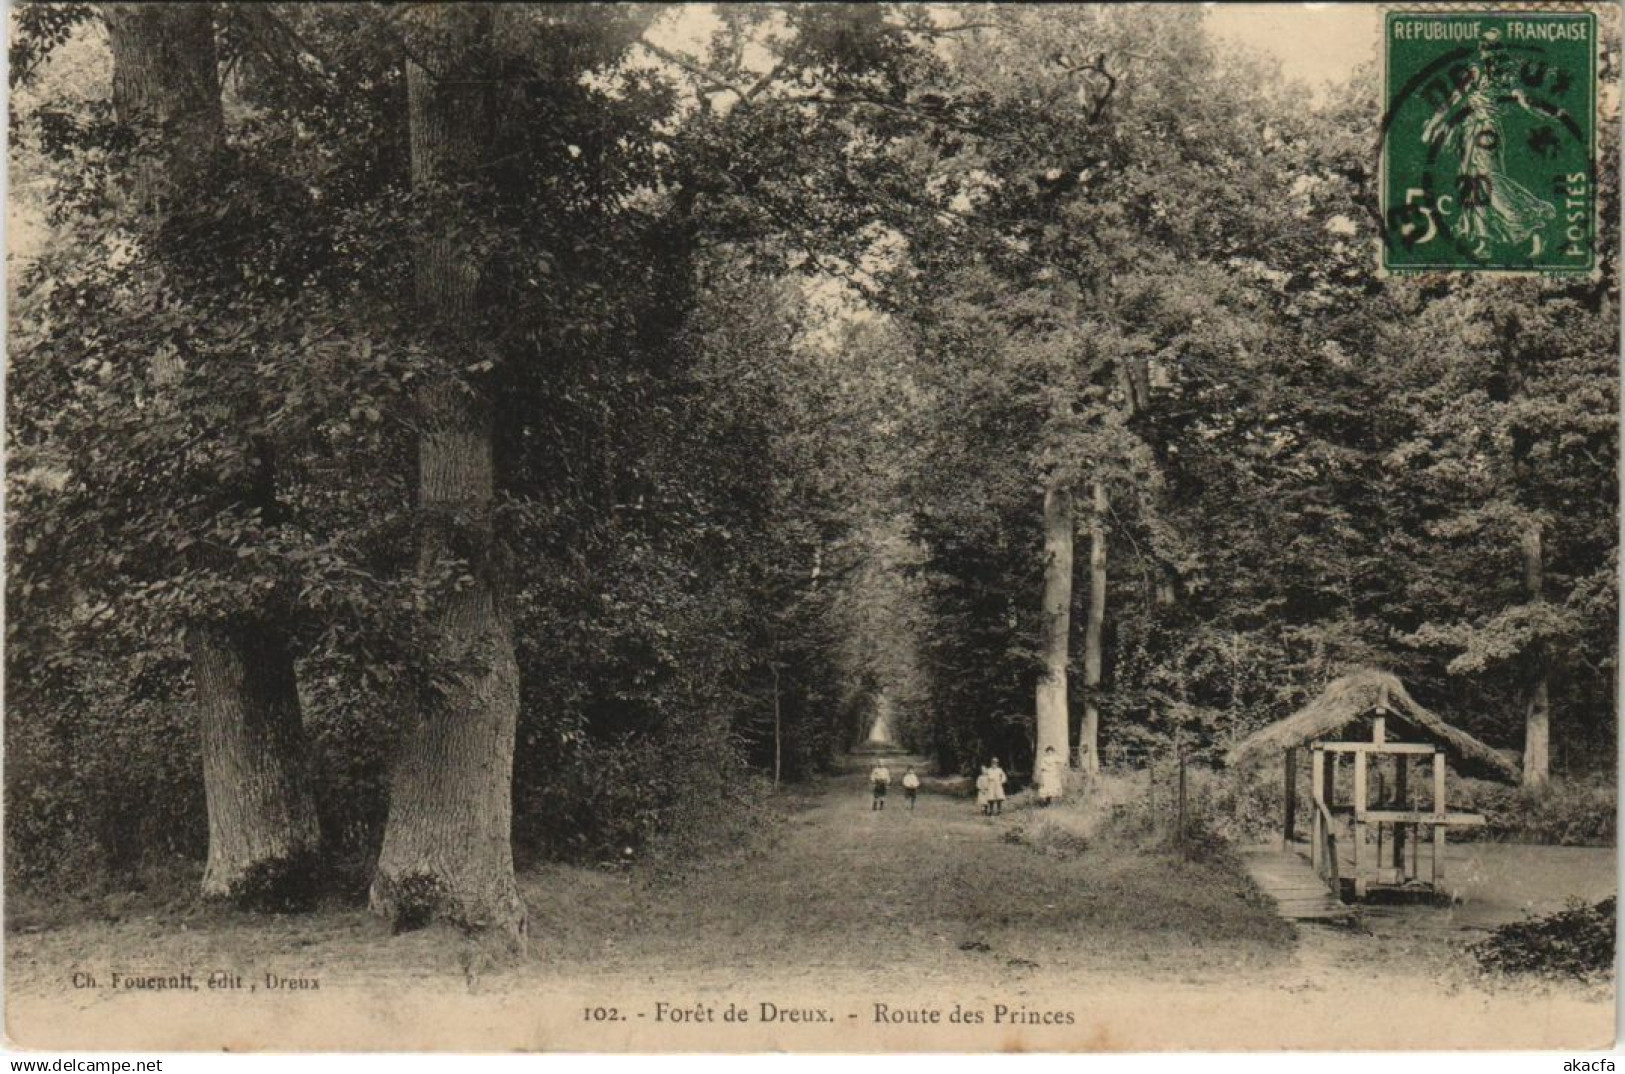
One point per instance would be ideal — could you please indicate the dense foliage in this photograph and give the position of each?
(1319, 468)
(782, 330)
(1577, 942)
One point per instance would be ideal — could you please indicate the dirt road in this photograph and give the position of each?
(849, 929)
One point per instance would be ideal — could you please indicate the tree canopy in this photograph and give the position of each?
(772, 327)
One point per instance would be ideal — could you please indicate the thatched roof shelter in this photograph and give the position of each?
(1361, 694)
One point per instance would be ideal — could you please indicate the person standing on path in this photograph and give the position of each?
(911, 787)
(1050, 770)
(995, 788)
(880, 778)
(982, 802)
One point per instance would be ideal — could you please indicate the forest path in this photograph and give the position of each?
(888, 893)
(842, 909)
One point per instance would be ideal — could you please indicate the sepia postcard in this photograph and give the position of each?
(799, 527)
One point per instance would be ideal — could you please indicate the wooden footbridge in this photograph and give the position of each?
(1368, 718)
(1286, 876)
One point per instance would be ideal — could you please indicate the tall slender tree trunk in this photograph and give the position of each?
(1094, 631)
(1054, 723)
(1134, 378)
(263, 834)
(447, 852)
(1537, 723)
(778, 743)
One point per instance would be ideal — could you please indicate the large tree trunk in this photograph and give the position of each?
(1054, 723)
(1537, 707)
(1094, 630)
(166, 89)
(263, 844)
(447, 850)
(263, 836)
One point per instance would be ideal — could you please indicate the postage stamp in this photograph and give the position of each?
(1489, 141)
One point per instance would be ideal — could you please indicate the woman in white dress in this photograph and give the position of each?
(1050, 770)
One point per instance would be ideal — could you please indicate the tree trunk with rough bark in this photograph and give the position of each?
(1094, 631)
(166, 90)
(1537, 706)
(1054, 722)
(447, 852)
(264, 841)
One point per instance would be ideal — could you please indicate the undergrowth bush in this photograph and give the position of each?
(1244, 807)
(1570, 812)
(99, 791)
(641, 796)
(1576, 942)
(1247, 806)
(1125, 807)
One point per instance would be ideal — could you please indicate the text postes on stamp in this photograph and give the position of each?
(1488, 142)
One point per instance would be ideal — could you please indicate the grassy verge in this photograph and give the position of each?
(1196, 886)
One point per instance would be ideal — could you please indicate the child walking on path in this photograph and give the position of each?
(911, 787)
(982, 801)
(880, 777)
(995, 788)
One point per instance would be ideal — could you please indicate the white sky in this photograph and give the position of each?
(1315, 43)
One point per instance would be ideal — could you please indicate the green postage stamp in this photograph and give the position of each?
(1489, 141)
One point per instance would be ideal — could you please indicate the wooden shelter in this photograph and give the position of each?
(1369, 718)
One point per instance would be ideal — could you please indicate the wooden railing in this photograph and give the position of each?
(1328, 866)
